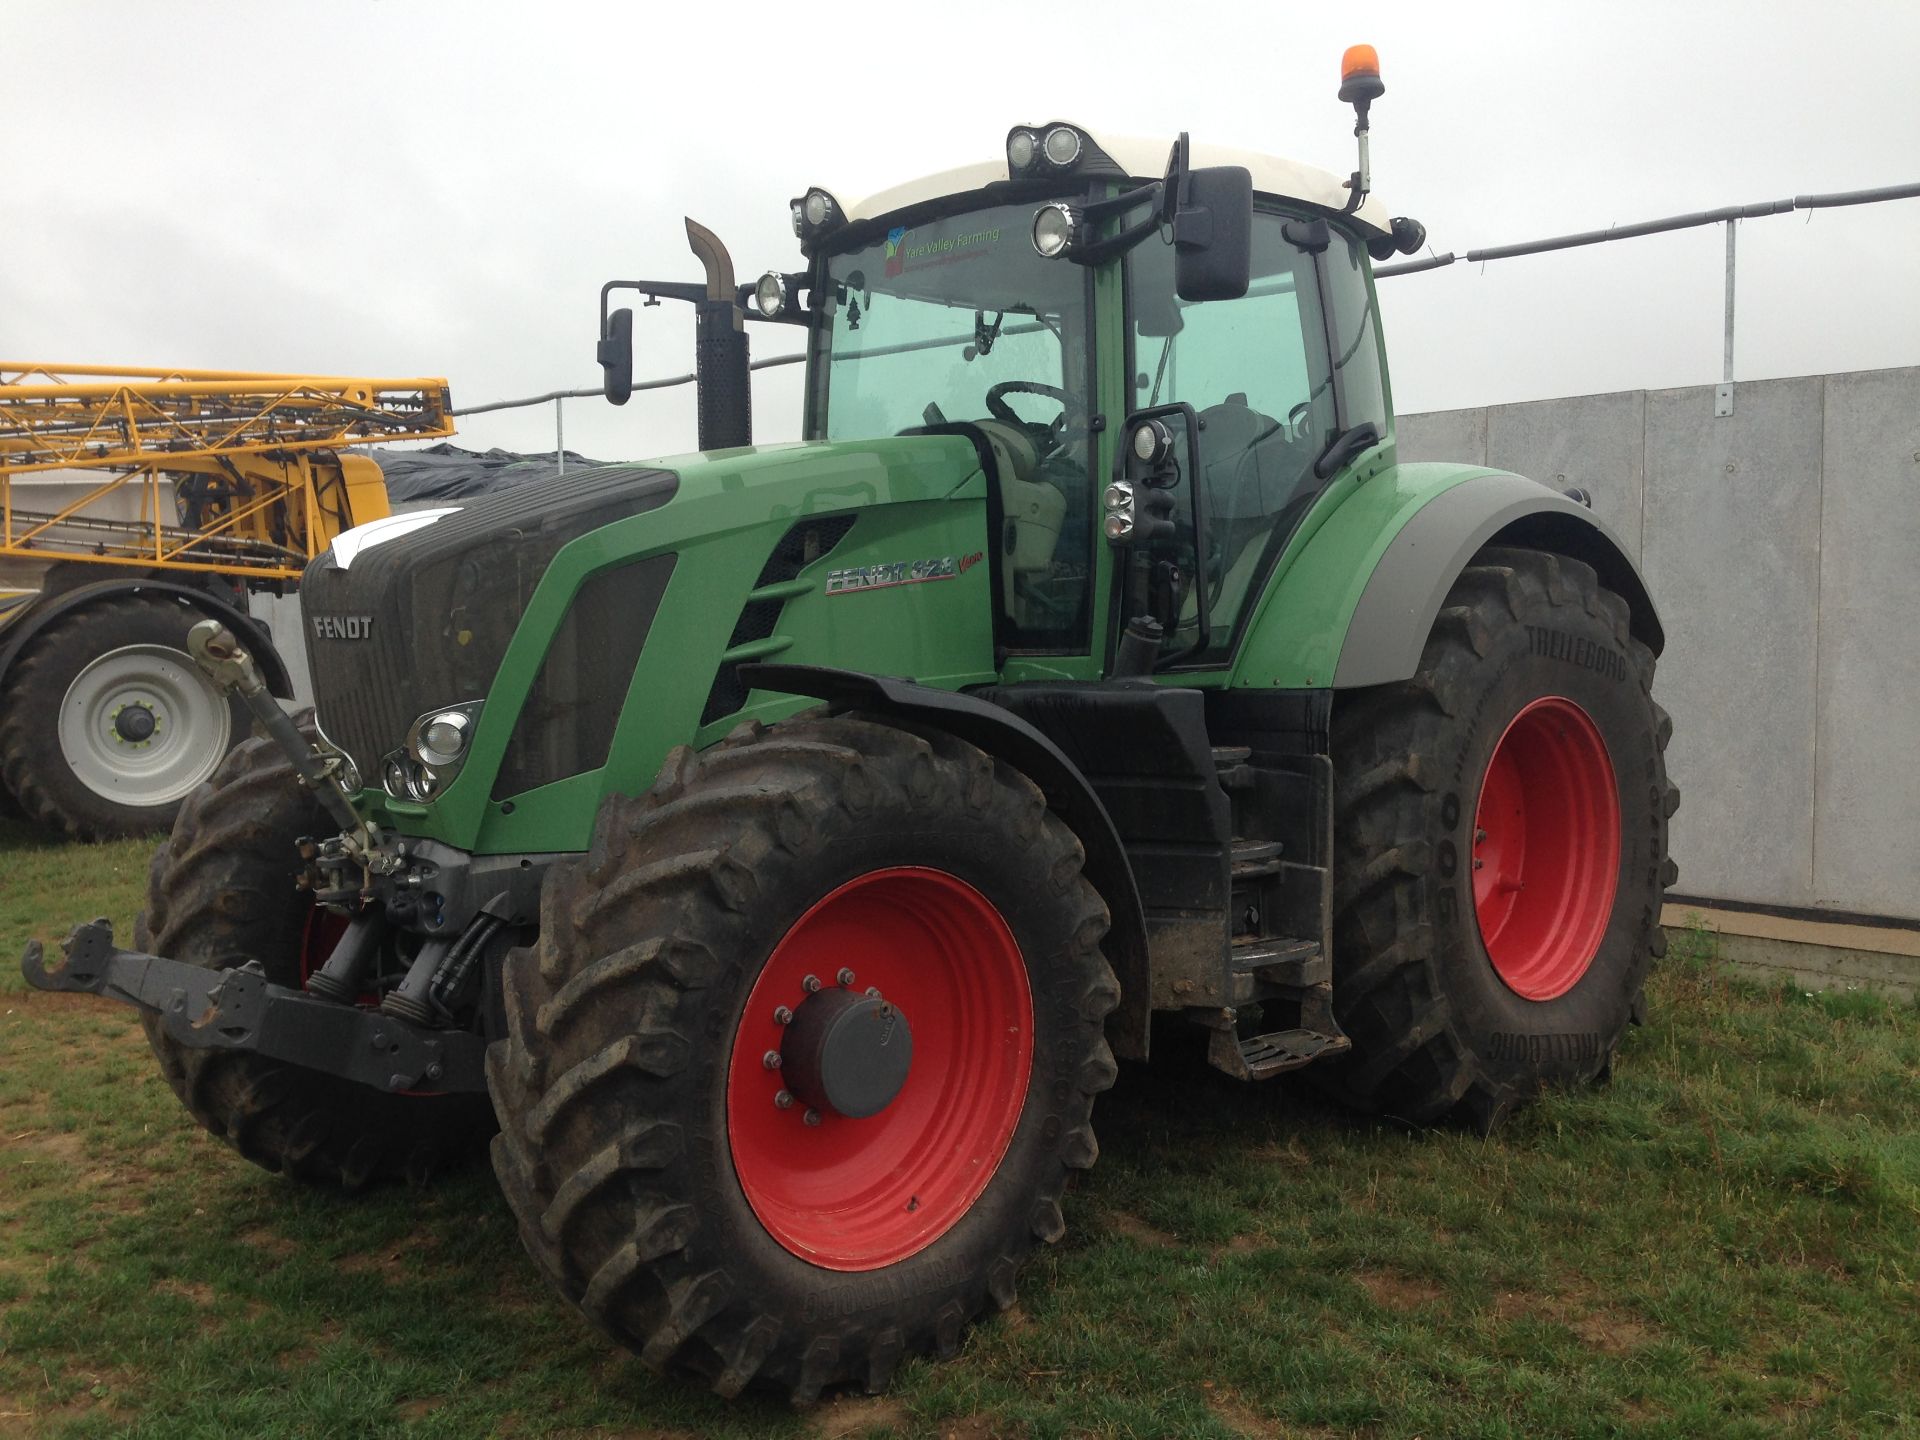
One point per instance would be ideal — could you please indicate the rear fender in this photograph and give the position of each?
(1353, 602)
(1402, 598)
(1006, 736)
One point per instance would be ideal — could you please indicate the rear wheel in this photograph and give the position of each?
(1501, 843)
(108, 725)
(221, 891)
(805, 1055)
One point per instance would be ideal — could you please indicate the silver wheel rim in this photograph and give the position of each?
(188, 726)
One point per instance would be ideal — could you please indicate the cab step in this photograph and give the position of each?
(1280, 961)
(1230, 763)
(1253, 859)
(1255, 1057)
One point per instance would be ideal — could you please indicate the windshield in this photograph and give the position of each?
(935, 316)
(957, 321)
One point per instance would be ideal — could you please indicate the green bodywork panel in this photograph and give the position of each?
(1300, 621)
(920, 498)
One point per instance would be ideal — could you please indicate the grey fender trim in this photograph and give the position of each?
(250, 632)
(1396, 612)
(1001, 733)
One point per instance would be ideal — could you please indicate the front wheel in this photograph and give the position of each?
(805, 1054)
(1501, 847)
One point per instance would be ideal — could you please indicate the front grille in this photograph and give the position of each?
(422, 620)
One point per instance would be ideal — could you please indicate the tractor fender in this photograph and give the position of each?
(49, 608)
(1007, 737)
(1402, 597)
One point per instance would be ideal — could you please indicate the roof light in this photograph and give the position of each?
(1022, 146)
(770, 295)
(796, 217)
(817, 208)
(1053, 230)
(1062, 146)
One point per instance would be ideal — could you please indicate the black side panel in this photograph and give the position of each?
(566, 725)
(1144, 749)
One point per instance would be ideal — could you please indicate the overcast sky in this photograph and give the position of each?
(386, 187)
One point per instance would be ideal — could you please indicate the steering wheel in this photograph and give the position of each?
(1297, 419)
(1048, 435)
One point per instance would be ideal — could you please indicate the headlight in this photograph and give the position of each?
(770, 295)
(1119, 525)
(1053, 229)
(441, 739)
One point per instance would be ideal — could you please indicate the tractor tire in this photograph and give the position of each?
(107, 725)
(1500, 848)
(221, 891)
(661, 1181)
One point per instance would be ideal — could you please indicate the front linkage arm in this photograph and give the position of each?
(240, 1010)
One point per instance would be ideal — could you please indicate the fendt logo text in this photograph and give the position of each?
(342, 627)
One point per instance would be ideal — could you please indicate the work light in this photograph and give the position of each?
(770, 295)
(1022, 146)
(817, 208)
(1053, 227)
(1062, 146)
(1151, 441)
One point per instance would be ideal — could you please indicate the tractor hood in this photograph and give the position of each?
(417, 613)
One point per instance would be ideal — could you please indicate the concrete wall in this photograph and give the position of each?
(1782, 544)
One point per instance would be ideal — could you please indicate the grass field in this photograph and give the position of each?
(1724, 1242)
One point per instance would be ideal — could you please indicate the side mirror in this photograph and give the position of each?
(1213, 234)
(615, 354)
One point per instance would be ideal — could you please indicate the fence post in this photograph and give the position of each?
(1723, 394)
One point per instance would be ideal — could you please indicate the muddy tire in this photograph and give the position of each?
(1501, 843)
(660, 1181)
(107, 725)
(221, 891)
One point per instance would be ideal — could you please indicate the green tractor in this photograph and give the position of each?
(780, 843)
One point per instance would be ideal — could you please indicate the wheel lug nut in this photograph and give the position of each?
(812, 1117)
(873, 991)
(782, 1015)
(771, 1059)
(1478, 863)
(845, 977)
(1479, 837)
(784, 1099)
(810, 984)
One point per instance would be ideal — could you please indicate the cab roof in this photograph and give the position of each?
(1140, 158)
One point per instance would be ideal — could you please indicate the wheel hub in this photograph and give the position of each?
(846, 1054)
(135, 723)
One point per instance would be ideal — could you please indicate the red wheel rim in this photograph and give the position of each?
(1546, 849)
(852, 1194)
